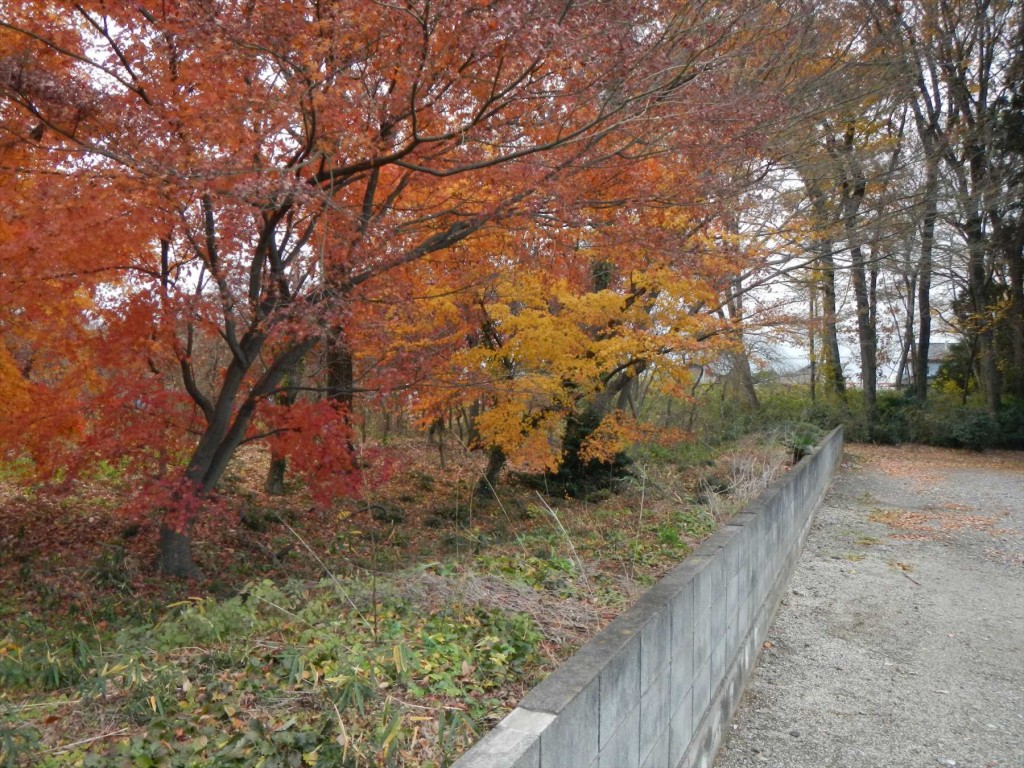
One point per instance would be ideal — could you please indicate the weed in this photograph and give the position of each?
(668, 535)
(113, 568)
(17, 470)
(696, 522)
(18, 743)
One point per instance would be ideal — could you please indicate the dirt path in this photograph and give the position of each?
(901, 641)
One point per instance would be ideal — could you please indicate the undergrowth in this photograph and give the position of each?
(381, 633)
(280, 675)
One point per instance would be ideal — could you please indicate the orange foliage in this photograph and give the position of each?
(197, 196)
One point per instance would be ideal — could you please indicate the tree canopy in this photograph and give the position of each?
(229, 222)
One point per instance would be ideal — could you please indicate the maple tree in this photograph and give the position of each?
(243, 176)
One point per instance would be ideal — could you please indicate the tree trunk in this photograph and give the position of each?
(908, 347)
(340, 374)
(225, 429)
(1014, 257)
(175, 554)
(812, 353)
(866, 335)
(853, 196)
(485, 487)
(274, 484)
(981, 320)
(739, 358)
(924, 280)
(831, 364)
(745, 379)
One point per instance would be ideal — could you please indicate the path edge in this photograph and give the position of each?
(658, 686)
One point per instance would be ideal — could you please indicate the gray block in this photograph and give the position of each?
(744, 518)
(514, 742)
(622, 749)
(655, 648)
(681, 727)
(705, 586)
(719, 619)
(702, 640)
(571, 740)
(620, 689)
(735, 635)
(701, 689)
(659, 756)
(743, 603)
(681, 671)
(733, 551)
(655, 708)
(683, 615)
(732, 592)
(719, 660)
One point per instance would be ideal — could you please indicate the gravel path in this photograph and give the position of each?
(901, 641)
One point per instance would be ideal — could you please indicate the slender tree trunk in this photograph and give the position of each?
(1014, 257)
(831, 368)
(340, 375)
(981, 319)
(908, 347)
(748, 391)
(853, 184)
(812, 353)
(866, 334)
(485, 487)
(924, 280)
(739, 358)
(274, 484)
(831, 363)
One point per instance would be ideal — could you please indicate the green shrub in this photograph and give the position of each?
(1011, 426)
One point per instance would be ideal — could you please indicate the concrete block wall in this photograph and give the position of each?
(656, 688)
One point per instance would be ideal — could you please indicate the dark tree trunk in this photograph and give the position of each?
(485, 487)
(908, 347)
(739, 358)
(924, 282)
(1013, 251)
(979, 288)
(854, 186)
(866, 336)
(812, 351)
(575, 474)
(745, 378)
(831, 363)
(274, 485)
(225, 430)
(340, 375)
(175, 554)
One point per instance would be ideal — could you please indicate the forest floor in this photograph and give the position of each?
(386, 630)
(901, 640)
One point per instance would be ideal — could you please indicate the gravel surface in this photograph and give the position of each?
(900, 643)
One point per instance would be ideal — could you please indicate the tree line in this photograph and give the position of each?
(226, 223)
